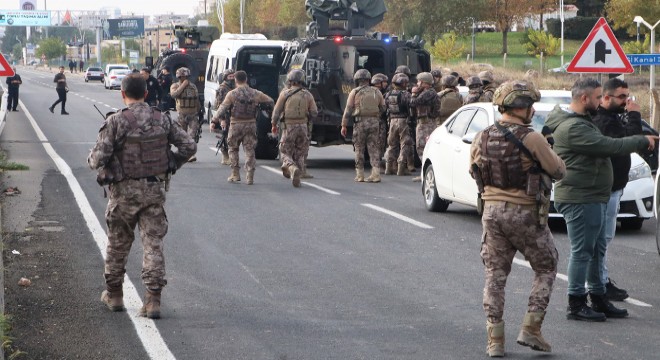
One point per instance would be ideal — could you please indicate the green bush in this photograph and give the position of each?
(447, 48)
(637, 47)
(539, 42)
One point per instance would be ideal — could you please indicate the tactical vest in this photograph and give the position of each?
(145, 151)
(367, 102)
(473, 96)
(244, 105)
(501, 165)
(189, 99)
(295, 106)
(450, 101)
(394, 107)
(220, 94)
(429, 110)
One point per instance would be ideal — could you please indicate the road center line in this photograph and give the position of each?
(399, 216)
(629, 300)
(318, 187)
(146, 329)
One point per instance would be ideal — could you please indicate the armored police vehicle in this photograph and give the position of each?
(337, 44)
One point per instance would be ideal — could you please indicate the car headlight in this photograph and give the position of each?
(639, 172)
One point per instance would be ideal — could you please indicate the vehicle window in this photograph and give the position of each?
(262, 59)
(538, 120)
(460, 122)
(556, 99)
(478, 123)
(211, 71)
(94, 69)
(372, 60)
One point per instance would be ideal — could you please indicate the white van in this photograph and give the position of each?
(259, 57)
(115, 66)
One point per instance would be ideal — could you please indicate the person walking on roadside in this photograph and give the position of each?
(243, 102)
(365, 104)
(154, 92)
(165, 82)
(513, 166)
(187, 103)
(62, 89)
(81, 65)
(13, 83)
(582, 196)
(294, 109)
(617, 116)
(228, 84)
(134, 156)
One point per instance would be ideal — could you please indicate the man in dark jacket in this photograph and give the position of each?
(165, 82)
(610, 121)
(13, 83)
(582, 195)
(154, 92)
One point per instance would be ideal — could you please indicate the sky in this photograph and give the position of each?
(139, 7)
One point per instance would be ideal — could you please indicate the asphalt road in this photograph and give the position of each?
(333, 270)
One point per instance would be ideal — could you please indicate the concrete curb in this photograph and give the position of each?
(3, 109)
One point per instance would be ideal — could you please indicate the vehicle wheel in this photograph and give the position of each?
(430, 192)
(632, 223)
(175, 61)
(105, 86)
(267, 146)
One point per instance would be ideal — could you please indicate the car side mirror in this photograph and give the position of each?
(468, 138)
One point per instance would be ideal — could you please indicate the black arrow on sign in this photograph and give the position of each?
(601, 51)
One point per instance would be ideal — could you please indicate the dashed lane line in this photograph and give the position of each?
(146, 329)
(318, 187)
(629, 300)
(399, 216)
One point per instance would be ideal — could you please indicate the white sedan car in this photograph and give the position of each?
(114, 78)
(446, 162)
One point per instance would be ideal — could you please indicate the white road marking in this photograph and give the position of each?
(399, 216)
(318, 187)
(146, 329)
(245, 268)
(629, 300)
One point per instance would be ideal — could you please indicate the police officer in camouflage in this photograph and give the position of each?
(228, 84)
(243, 102)
(427, 106)
(489, 86)
(295, 107)
(513, 166)
(437, 79)
(365, 105)
(134, 157)
(379, 81)
(399, 140)
(475, 90)
(185, 94)
(450, 98)
(410, 162)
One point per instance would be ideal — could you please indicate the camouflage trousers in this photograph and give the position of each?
(246, 134)
(509, 228)
(422, 133)
(131, 203)
(294, 145)
(366, 134)
(189, 123)
(399, 141)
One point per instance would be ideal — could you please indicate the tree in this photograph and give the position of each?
(505, 13)
(622, 12)
(446, 48)
(637, 47)
(11, 33)
(590, 7)
(539, 42)
(17, 52)
(52, 48)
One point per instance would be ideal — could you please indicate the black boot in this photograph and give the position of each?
(578, 309)
(601, 304)
(613, 293)
(64, 112)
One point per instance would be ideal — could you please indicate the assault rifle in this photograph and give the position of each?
(201, 121)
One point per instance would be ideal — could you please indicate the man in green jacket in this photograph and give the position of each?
(582, 195)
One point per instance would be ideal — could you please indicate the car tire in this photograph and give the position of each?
(632, 223)
(431, 199)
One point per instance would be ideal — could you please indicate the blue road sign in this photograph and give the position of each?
(643, 59)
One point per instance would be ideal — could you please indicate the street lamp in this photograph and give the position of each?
(639, 20)
(473, 38)
(561, 19)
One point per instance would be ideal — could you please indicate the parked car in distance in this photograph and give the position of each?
(446, 160)
(114, 78)
(561, 69)
(94, 73)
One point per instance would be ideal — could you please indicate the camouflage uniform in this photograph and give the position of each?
(512, 219)
(187, 106)
(137, 201)
(296, 106)
(487, 94)
(450, 101)
(366, 127)
(476, 90)
(399, 140)
(220, 95)
(426, 118)
(243, 102)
